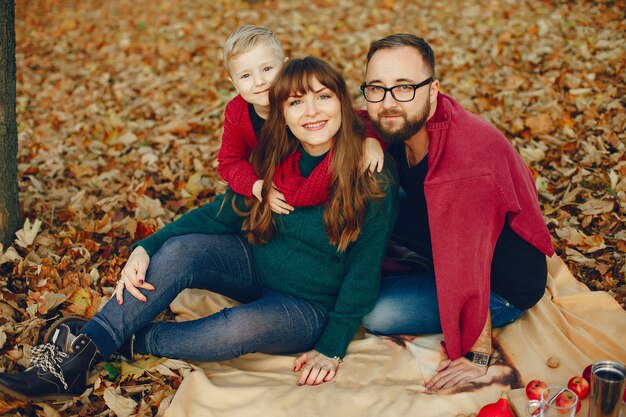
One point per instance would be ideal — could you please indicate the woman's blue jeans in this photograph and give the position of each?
(407, 304)
(267, 321)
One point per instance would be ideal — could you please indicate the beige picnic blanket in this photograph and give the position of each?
(384, 377)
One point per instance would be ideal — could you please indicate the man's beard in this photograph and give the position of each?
(407, 130)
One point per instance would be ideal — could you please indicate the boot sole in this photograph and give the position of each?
(48, 397)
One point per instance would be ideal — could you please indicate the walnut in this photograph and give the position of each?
(553, 362)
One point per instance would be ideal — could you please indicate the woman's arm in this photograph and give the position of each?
(359, 290)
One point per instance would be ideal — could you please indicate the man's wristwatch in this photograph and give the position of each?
(478, 358)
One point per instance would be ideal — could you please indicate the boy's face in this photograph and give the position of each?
(252, 73)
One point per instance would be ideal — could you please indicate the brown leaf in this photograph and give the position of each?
(177, 127)
(120, 405)
(596, 206)
(539, 124)
(6, 407)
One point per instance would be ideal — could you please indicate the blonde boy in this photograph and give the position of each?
(253, 57)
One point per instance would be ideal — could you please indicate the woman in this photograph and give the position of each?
(304, 280)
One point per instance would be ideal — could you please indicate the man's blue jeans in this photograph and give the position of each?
(266, 321)
(407, 304)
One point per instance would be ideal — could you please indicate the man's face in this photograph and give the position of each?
(397, 121)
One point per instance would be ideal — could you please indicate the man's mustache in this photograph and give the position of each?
(391, 112)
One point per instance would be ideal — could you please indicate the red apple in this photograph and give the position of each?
(587, 373)
(580, 386)
(565, 400)
(534, 388)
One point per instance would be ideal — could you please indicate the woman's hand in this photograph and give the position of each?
(373, 156)
(134, 276)
(316, 368)
(277, 201)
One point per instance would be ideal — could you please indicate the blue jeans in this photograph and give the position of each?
(407, 304)
(266, 321)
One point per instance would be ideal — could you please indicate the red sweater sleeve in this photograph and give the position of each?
(238, 140)
(465, 218)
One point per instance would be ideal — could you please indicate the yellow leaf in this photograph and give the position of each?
(26, 236)
(81, 300)
(194, 184)
(136, 369)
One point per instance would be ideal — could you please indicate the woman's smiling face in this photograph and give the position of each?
(314, 117)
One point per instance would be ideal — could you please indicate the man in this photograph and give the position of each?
(470, 219)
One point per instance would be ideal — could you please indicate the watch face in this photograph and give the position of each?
(481, 359)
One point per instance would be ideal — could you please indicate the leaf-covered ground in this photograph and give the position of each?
(120, 111)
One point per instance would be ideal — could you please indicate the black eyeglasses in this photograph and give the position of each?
(403, 92)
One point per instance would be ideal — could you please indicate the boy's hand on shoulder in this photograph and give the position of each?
(373, 156)
(257, 188)
(277, 201)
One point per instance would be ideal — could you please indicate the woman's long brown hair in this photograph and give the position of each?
(350, 189)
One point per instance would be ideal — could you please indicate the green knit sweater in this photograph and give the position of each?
(300, 260)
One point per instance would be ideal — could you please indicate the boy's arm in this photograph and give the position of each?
(373, 148)
(232, 157)
(370, 131)
(373, 155)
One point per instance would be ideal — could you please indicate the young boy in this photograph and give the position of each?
(252, 57)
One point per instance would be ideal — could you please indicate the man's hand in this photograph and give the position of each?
(134, 275)
(459, 371)
(453, 373)
(316, 368)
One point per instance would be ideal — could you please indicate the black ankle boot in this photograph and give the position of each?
(57, 334)
(127, 350)
(56, 372)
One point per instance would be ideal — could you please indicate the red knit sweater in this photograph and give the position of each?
(238, 141)
(475, 180)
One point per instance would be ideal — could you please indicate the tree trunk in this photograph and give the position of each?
(9, 208)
